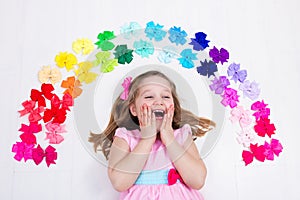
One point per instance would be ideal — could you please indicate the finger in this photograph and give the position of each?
(145, 115)
(141, 118)
(149, 115)
(170, 115)
(153, 119)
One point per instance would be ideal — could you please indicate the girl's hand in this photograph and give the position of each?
(147, 123)
(166, 130)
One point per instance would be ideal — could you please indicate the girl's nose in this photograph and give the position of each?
(158, 101)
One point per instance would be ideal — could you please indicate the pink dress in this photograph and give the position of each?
(158, 161)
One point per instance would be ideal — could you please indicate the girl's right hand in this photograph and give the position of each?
(147, 122)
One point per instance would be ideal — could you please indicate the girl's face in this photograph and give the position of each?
(155, 92)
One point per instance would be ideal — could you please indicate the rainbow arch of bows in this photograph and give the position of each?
(47, 111)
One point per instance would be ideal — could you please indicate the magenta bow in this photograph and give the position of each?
(238, 114)
(261, 110)
(173, 176)
(230, 97)
(65, 103)
(126, 84)
(29, 107)
(27, 135)
(53, 130)
(274, 147)
(22, 150)
(38, 154)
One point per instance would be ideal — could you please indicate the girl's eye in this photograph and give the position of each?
(166, 97)
(148, 97)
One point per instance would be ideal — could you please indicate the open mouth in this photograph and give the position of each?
(159, 114)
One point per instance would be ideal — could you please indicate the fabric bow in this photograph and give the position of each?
(38, 154)
(155, 31)
(207, 68)
(65, 103)
(65, 59)
(177, 35)
(46, 74)
(246, 137)
(264, 127)
(133, 29)
(173, 176)
(72, 86)
(187, 57)
(53, 130)
(104, 44)
(274, 147)
(219, 85)
(219, 56)
(83, 72)
(27, 135)
(126, 85)
(57, 114)
(46, 91)
(199, 42)
(22, 150)
(103, 59)
(250, 89)
(29, 107)
(167, 54)
(123, 54)
(238, 114)
(83, 45)
(143, 48)
(256, 151)
(230, 97)
(237, 74)
(261, 110)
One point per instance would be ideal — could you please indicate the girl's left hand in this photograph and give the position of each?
(166, 130)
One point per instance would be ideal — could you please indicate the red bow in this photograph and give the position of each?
(57, 114)
(38, 96)
(38, 155)
(34, 115)
(173, 176)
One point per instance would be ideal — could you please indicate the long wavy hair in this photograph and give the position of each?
(122, 117)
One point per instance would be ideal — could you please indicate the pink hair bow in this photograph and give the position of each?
(38, 154)
(126, 83)
(246, 137)
(238, 114)
(27, 135)
(53, 130)
(22, 150)
(65, 103)
(274, 147)
(29, 107)
(257, 152)
(264, 127)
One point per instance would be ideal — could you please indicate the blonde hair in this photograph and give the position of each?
(122, 117)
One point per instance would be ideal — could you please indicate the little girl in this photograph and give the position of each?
(149, 142)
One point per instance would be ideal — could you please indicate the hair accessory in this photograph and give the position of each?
(126, 83)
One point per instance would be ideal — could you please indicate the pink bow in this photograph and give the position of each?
(34, 115)
(246, 137)
(230, 97)
(264, 127)
(54, 129)
(65, 102)
(22, 150)
(240, 115)
(255, 151)
(173, 176)
(38, 154)
(274, 147)
(126, 83)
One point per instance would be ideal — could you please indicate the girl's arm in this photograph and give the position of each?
(186, 158)
(125, 166)
(188, 162)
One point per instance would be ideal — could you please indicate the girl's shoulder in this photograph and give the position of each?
(182, 133)
(127, 135)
